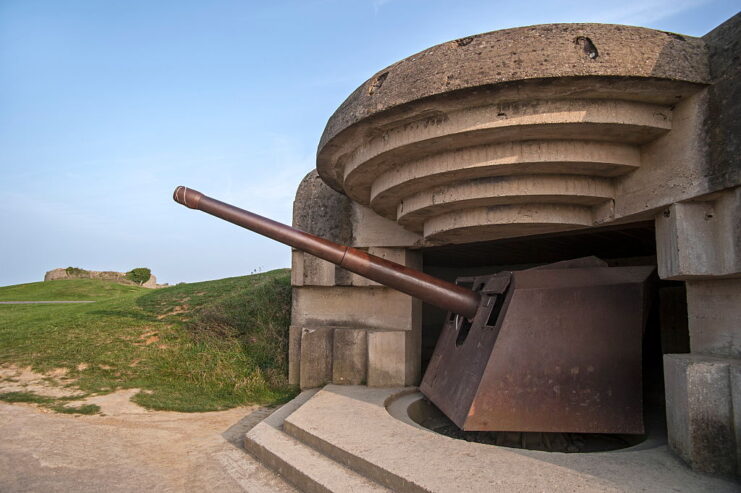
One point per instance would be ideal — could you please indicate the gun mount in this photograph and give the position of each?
(555, 348)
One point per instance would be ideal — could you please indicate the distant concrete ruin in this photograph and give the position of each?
(532, 145)
(119, 277)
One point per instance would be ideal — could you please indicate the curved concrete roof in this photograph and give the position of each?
(520, 131)
(533, 52)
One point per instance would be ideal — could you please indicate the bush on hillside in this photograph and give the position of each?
(75, 271)
(140, 275)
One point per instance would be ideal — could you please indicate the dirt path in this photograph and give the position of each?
(129, 449)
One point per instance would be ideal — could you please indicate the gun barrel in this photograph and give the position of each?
(429, 289)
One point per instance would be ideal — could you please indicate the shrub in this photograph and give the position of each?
(140, 275)
(75, 271)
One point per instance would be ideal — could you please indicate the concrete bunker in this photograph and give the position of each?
(531, 145)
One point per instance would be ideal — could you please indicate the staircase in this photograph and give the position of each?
(299, 463)
(354, 439)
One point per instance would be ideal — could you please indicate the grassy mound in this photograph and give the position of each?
(66, 290)
(192, 347)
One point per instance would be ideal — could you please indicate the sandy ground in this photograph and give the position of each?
(129, 449)
(53, 384)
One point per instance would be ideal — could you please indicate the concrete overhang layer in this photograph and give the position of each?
(513, 132)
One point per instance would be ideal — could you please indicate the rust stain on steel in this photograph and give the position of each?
(562, 355)
(427, 288)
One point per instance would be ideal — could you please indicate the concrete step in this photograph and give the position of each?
(353, 426)
(311, 431)
(298, 463)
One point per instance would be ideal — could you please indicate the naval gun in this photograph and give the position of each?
(555, 348)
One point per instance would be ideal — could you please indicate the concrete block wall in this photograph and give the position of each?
(702, 237)
(346, 329)
(356, 334)
(698, 242)
(714, 317)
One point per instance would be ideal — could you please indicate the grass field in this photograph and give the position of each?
(192, 347)
(68, 290)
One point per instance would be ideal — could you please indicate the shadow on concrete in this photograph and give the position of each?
(236, 432)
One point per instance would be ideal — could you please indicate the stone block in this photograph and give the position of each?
(297, 268)
(393, 358)
(316, 357)
(318, 272)
(342, 277)
(700, 239)
(350, 357)
(683, 240)
(700, 420)
(370, 230)
(294, 354)
(714, 316)
(352, 307)
(308, 270)
(386, 355)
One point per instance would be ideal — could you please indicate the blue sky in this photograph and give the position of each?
(106, 106)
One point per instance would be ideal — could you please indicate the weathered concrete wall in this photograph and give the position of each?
(119, 277)
(151, 282)
(699, 240)
(528, 131)
(349, 306)
(722, 127)
(344, 328)
(702, 387)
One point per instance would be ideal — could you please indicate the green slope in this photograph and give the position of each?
(66, 290)
(192, 347)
